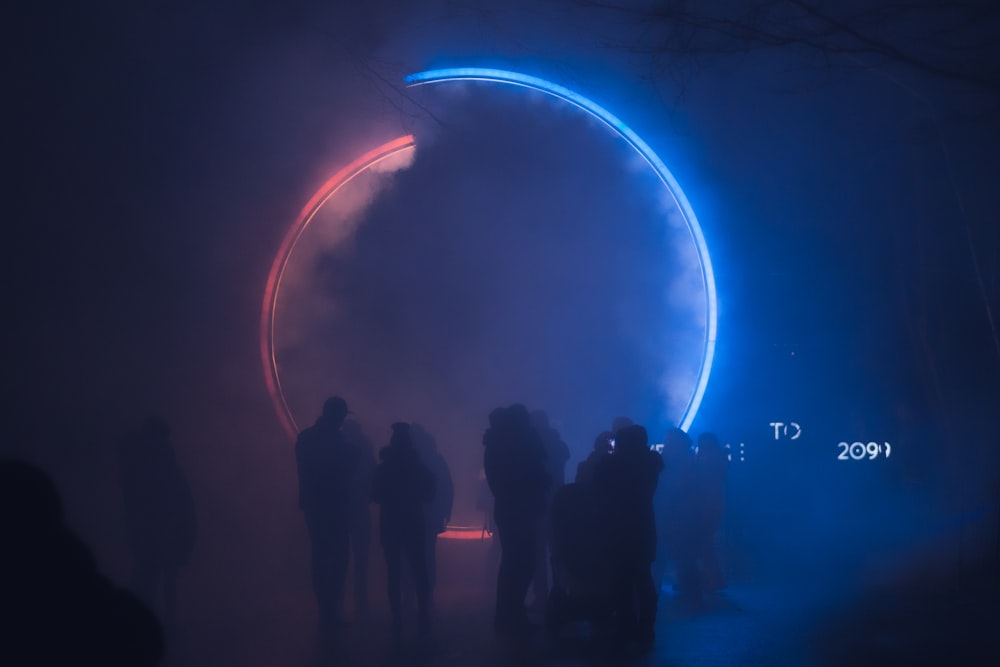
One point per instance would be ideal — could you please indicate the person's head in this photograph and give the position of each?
(540, 420)
(401, 435)
(602, 443)
(631, 440)
(677, 445)
(517, 416)
(497, 417)
(335, 411)
(618, 423)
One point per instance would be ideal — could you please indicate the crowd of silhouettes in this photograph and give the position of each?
(597, 537)
(339, 478)
(590, 545)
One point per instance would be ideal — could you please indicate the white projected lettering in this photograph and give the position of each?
(790, 430)
(861, 451)
(739, 451)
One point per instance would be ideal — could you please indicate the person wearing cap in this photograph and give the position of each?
(402, 486)
(326, 466)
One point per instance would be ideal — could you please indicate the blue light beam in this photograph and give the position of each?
(651, 158)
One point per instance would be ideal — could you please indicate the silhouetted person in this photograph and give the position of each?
(588, 467)
(327, 465)
(401, 487)
(360, 528)
(678, 517)
(618, 423)
(160, 516)
(437, 513)
(57, 608)
(514, 461)
(711, 463)
(556, 456)
(627, 481)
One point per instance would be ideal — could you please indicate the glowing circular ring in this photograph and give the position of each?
(373, 157)
(288, 243)
(640, 146)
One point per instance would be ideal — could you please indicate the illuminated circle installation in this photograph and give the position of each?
(288, 243)
(366, 161)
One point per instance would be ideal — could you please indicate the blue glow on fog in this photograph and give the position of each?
(651, 158)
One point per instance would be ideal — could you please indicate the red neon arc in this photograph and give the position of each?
(288, 243)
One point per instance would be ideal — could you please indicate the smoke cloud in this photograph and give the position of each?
(519, 255)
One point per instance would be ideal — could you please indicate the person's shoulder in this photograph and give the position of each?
(308, 437)
(308, 431)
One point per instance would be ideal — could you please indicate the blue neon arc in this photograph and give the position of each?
(647, 153)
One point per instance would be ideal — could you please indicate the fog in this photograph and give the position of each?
(522, 253)
(522, 256)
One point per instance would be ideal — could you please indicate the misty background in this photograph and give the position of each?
(157, 155)
(525, 253)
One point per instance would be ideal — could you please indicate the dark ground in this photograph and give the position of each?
(930, 619)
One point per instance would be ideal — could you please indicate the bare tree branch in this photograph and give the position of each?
(951, 41)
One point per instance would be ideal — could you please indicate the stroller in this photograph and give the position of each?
(582, 593)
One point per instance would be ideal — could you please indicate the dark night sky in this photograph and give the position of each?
(157, 152)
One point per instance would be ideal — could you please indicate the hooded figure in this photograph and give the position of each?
(402, 486)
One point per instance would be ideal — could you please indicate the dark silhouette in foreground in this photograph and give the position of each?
(401, 487)
(326, 466)
(160, 515)
(514, 461)
(57, 607)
